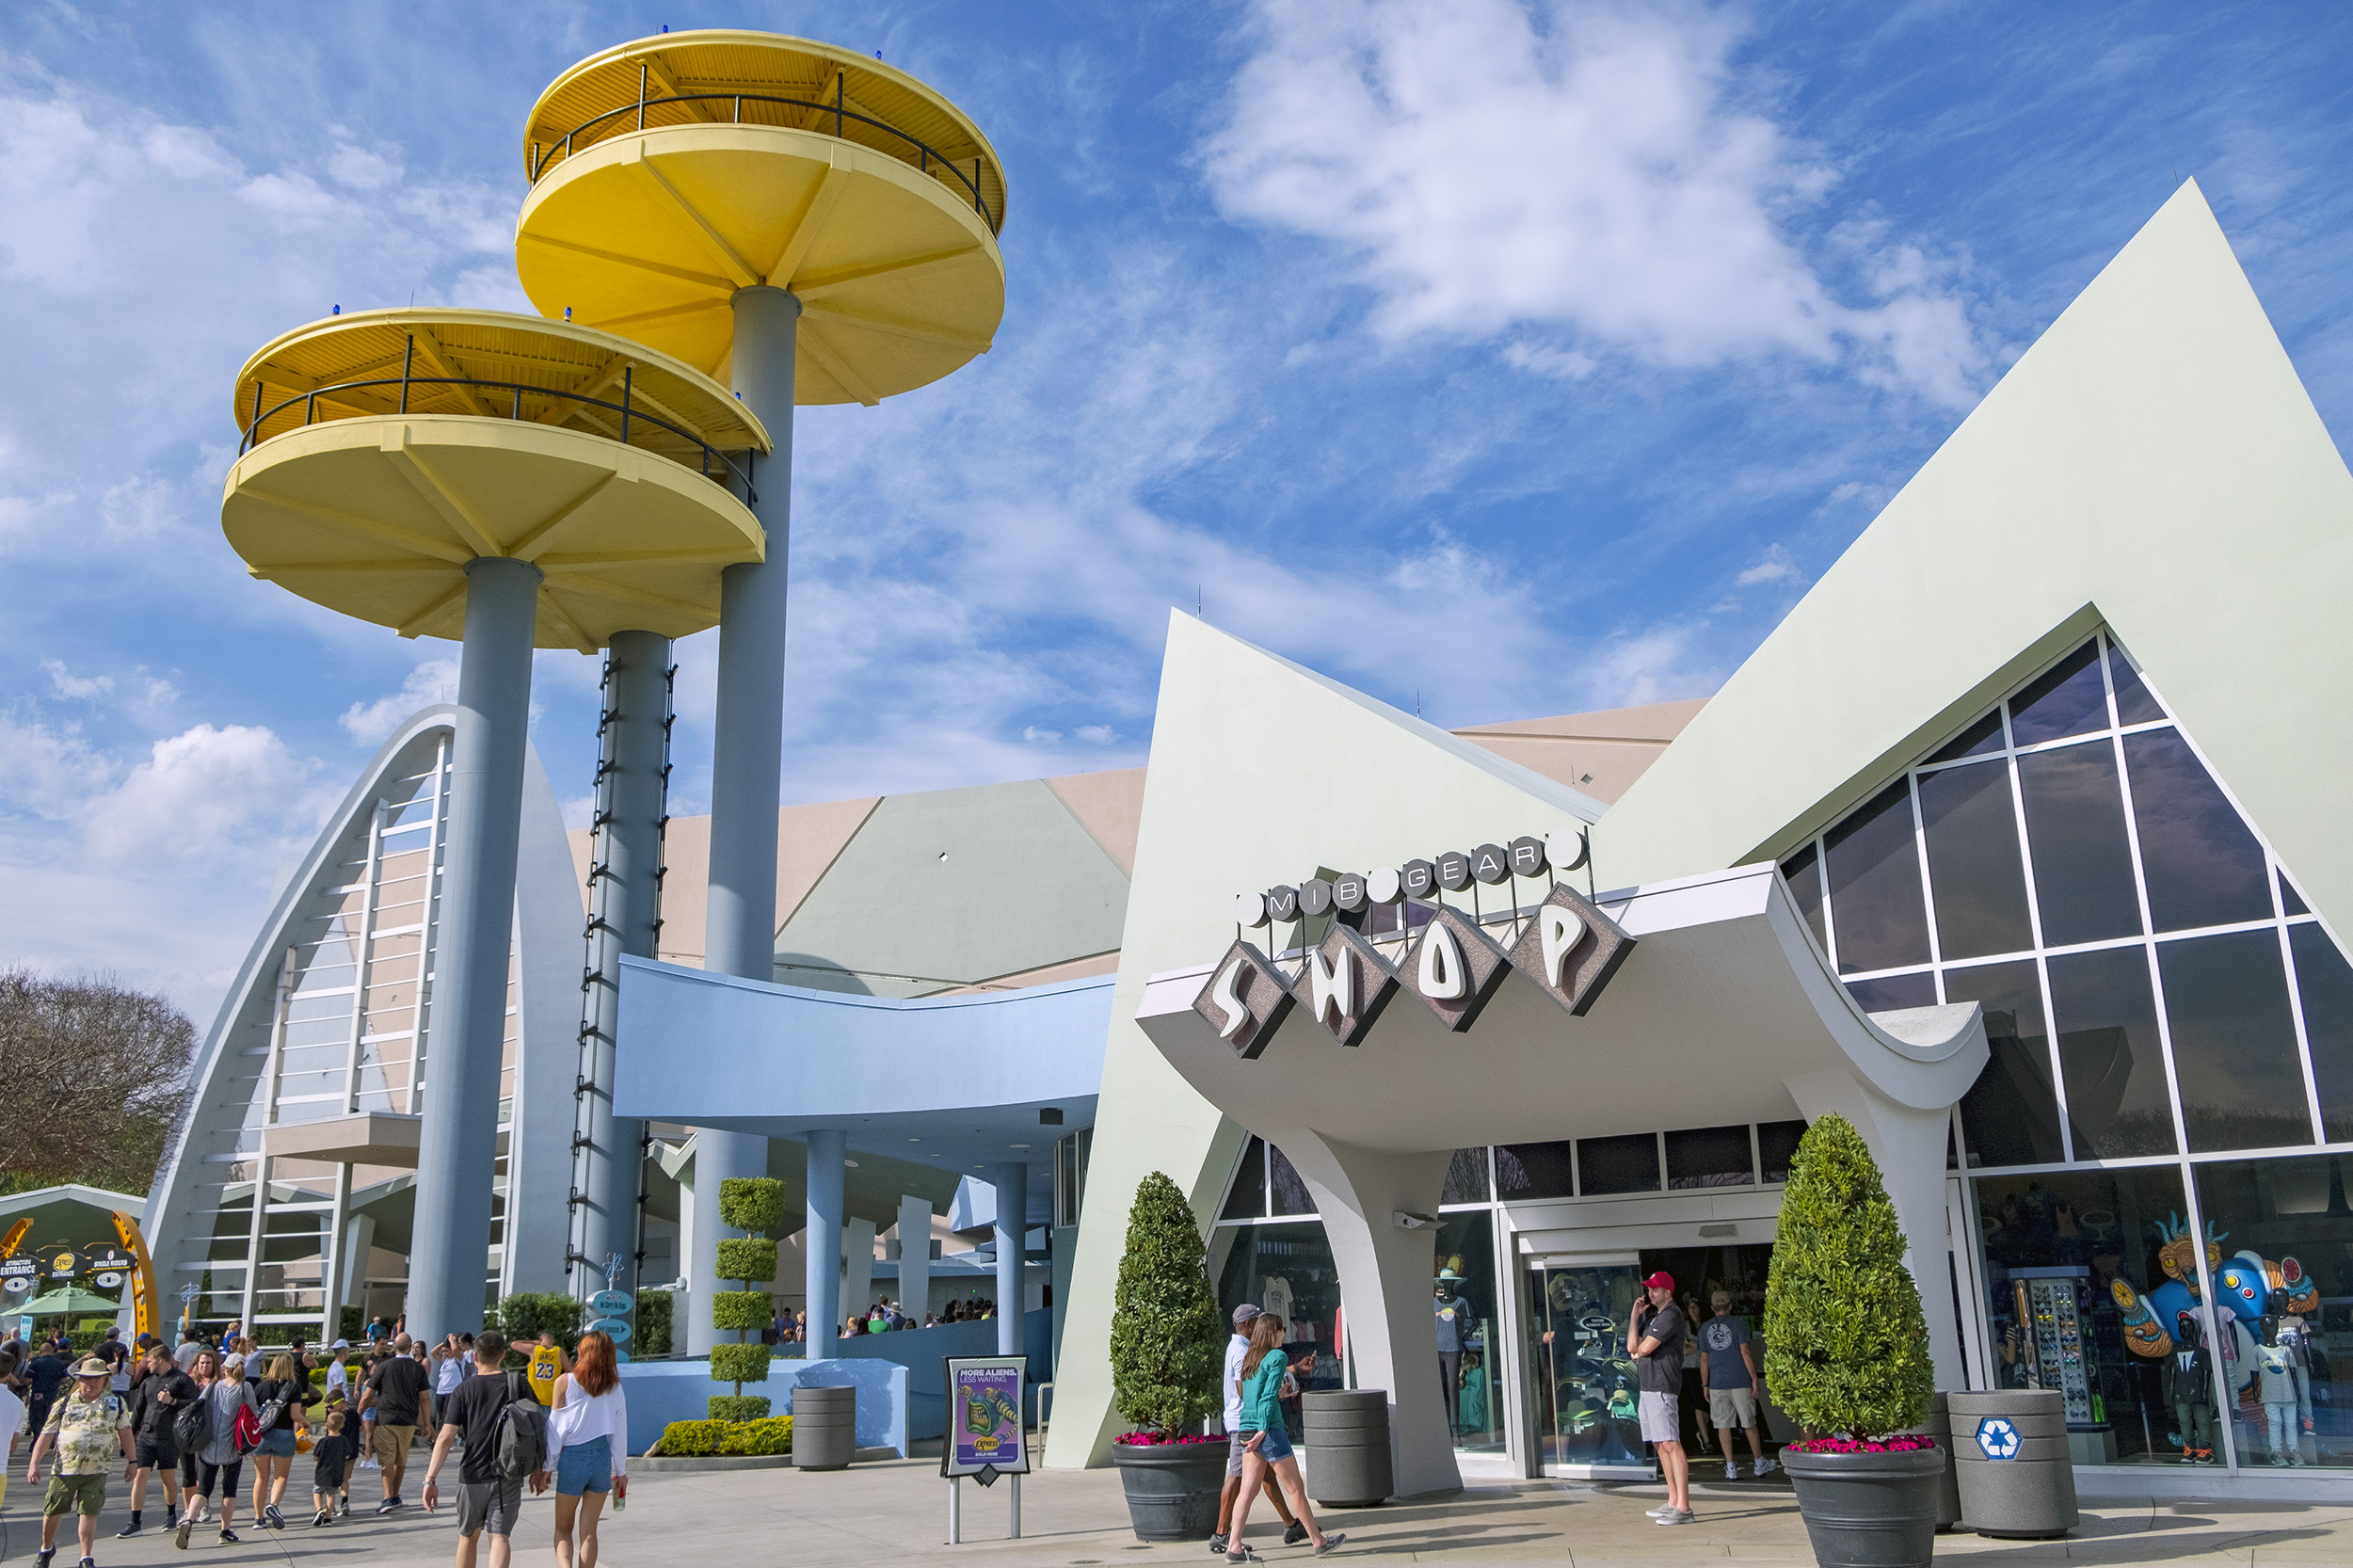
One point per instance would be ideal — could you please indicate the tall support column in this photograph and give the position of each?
(748, 751)
(915, 1256)
(625, 918)
(1013, 1224)
(821, 1241)
(457, 1148)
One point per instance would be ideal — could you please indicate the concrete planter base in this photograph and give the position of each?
(677, 1464)
(1867, 1509)
(1172, 1488)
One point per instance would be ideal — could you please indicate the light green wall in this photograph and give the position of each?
(1261, 770)
(2153, 461)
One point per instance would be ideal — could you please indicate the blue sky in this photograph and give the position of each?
(1510, 358)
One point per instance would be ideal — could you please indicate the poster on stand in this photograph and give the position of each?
(984, 1405)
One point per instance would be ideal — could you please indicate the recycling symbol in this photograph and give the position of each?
(1997, 1438)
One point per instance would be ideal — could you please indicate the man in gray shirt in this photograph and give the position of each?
(1654, 1337)
(1728, 1375)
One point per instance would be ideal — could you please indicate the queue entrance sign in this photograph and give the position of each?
(986, 1395)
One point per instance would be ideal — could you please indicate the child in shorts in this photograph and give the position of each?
(332, 1475)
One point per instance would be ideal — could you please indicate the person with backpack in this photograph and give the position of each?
(285, 1398)
(87, 1429)
(505, 1429)
(156, 1402)
(231, 1428)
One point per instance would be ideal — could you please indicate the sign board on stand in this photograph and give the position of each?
(986, 1395)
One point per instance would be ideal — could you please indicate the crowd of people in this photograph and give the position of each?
(187, 1419)
(885, 1316)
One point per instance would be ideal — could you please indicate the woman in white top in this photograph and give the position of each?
(587, 1447)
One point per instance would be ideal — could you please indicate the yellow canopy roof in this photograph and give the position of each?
(599, 98)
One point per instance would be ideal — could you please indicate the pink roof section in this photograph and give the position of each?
(1601, 754)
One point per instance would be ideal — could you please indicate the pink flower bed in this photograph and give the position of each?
(1155, 1439)
(1907, 1444)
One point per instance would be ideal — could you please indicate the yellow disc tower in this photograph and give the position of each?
(719, 225)
(814, 226)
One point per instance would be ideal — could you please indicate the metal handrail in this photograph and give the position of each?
(252, 438)
(925, 153)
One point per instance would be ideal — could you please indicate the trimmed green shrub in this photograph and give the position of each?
(1165, 1338)
(351, 1324)
(739, 1364)
(751, 1203)
(757, 1436)
(1846, 1343)
(653, 1325)
(739, 1407)
(527, 1314)
(748, 1258)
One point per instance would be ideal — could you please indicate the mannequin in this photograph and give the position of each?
(1449, 1311)
(2190, 1389)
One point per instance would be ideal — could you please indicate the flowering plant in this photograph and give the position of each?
(1906, 1443)
(1149, 1439)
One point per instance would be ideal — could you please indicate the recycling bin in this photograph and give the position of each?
(2011, 1463)
(824, 1427)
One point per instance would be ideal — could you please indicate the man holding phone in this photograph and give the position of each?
(1654, 1336)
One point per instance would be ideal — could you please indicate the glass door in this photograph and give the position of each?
(1582, 1383)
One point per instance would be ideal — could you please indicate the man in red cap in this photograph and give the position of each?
(1654, 1336)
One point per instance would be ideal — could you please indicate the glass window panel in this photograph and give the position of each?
(2057, 1247)
(1287, 1190)
(1978, 881)
(1622, 1164)
(1893, 991)
(2068, 700)
(2234, 1042)
(2083, 862)
(2011, 1114)
(2202, 864)
(1976, 741)
(2109, 1055)
(1805, 884)
(1289, 1270)
(1709, 1156)
(1464, 1302)
(2134, 703)
(1534, 1170)
(2324, 983)
(1776, 1145)
(2290, 899)
(2295, 1377)
(1246, 1198)
(1467, 1177)
(1875, 886)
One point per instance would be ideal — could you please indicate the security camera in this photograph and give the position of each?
(1406, 1220)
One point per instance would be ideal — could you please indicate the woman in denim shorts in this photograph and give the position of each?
(588, 1447)
(1267, 1445)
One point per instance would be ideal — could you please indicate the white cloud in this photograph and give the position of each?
(1097, 734)
(1584, 166)
(434, 680)
(78, 688)
(198, 793)
(1775, 566)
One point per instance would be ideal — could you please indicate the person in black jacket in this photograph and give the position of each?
(162, 1391)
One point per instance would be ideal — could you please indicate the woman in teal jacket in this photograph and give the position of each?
(1268, 1446)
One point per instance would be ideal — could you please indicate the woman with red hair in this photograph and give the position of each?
(588, 1444)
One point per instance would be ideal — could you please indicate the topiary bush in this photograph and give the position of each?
(653, 1325)
(525, 1315)
(1846, 1343)
(1165, 1342)
(756, 1435)
(748, 1203)
(739, 1407)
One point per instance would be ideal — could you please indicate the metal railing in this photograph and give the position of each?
(252, 436)
(926, 155)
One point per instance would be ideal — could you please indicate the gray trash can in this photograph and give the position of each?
(1948, 1488)
(1346, 1433)
(824, 1427)
(2016, 1476)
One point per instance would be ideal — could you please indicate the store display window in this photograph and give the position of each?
(2283, 1229)
(1286, 1269)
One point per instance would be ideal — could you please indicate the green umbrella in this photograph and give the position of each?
(69, 1300)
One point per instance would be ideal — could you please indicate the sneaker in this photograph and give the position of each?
(1660, 1512)
(1217, 1545)
(277, 1520)
(342, 1508)
(2297, 1459)
(1246, 1555)
(318, 1520)
(228, 1536)
(1331, 1543)
(1294, 1535)
(180, 1536)
(2280, 1462)
(1765, 1467)
(41, 1559)
(1732, 1469)
(1674, 1516)
(388, 1505)
(128, 1530)
(90, 1562)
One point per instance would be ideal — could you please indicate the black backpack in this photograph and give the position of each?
(191, 1424)
(522, 1441)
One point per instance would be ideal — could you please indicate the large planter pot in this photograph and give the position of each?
(824, 1427)
(1947, 1487)
(1172, 1488)
(2017, 1477)
(1346, 1433)
(1869, 1511)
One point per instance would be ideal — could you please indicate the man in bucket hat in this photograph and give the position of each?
(90, 1429)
